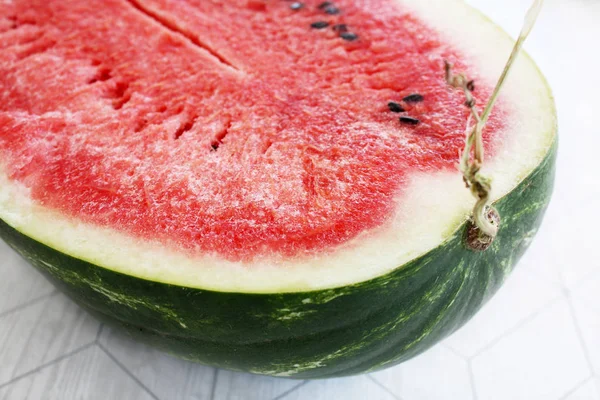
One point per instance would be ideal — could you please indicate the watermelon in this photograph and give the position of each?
(266, 186)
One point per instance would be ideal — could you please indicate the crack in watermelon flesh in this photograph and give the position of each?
(226, 126)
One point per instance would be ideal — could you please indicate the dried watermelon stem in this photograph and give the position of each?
(485, 217)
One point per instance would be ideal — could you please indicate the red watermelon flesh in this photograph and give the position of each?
(227, 126)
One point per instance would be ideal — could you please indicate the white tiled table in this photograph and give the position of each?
(539, 338)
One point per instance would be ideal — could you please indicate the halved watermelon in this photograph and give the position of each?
(266, 186)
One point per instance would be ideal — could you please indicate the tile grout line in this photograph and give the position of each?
(518, 324)
(100, 329)
(48, 364)
(382, 386)
(577, 386)
(516, 327)
(28, 303)
(472, 379)
(213, 389)
(131, 375)
(451, 349)
(284, 394)
(580, 282)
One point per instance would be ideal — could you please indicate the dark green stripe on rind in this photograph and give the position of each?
(319, 334)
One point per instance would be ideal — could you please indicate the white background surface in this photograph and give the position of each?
(539, 338)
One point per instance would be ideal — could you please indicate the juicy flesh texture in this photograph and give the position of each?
(226, 126)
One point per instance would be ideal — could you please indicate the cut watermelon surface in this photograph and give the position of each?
(273, 156)
(263, 134)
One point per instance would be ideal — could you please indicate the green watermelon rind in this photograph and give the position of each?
(318, 334)
(330, 332)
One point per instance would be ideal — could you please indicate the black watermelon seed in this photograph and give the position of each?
(296, 6)
(319, 25)
(349, 36)
(413, 98)
(340, 28)
(471, 85)
(409, 120)
(332, 10)
(395, 107)
(324, 4)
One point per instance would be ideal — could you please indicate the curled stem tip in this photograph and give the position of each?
(486, 219)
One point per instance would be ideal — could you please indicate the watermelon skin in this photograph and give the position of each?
(319, 334)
